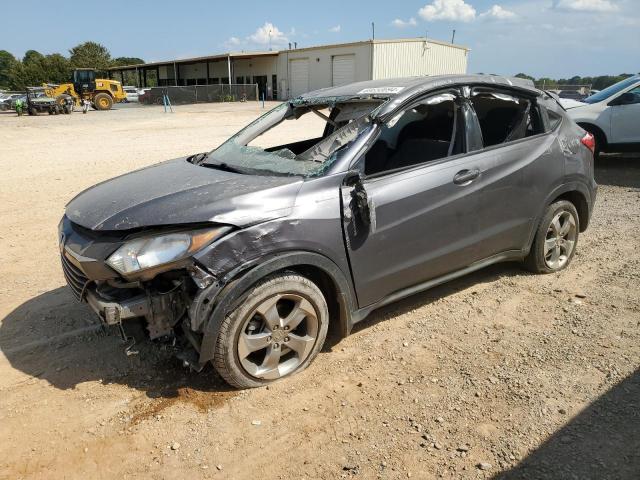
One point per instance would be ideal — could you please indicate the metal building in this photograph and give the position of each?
(288, 73)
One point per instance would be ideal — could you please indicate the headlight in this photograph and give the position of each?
(148, 252)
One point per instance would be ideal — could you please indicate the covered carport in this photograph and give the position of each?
(229, 68)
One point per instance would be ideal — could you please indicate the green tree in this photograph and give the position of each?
(525, 76)
(57, 68)
(90, 55)
(8, 64)
(32, 56)
(121, 61)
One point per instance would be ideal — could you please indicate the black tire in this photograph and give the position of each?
(226, 359)
(536, 260)
(32, 111)
(103, 101)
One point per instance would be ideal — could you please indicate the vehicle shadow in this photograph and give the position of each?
(486, 275)
(55, 338)
(603, 441)
(621, 170)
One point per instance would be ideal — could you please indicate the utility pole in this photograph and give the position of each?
(453, 37)
(270, 32)
(373, 31)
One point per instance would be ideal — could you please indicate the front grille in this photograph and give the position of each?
(75, 278)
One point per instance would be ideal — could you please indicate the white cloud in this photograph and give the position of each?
(399, 23)
(335, 29)
(498, 13)
(588, 5)
(268, 34)
(454, 10)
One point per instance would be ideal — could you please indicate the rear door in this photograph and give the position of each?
(517, 166)
(423, 217)
(299, 70)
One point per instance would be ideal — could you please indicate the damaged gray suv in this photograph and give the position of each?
(325, 208)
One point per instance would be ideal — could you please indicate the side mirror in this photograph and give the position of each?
(624, 99)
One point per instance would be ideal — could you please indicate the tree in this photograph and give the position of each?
(122, 61)
(57, 68)
(32, 56)
(8, 64)
(525, 76)
(90, 55)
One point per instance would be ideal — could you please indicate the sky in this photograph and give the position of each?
(550, 38)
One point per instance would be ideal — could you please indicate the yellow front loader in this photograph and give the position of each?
(100, 92)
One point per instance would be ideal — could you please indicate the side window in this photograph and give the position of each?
(419, 134)
(632, 97)
(505, 118)
(554, 119)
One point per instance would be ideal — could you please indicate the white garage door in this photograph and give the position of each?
(344, 69)
(299, 70)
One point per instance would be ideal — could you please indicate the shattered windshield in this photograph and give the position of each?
(294, 139)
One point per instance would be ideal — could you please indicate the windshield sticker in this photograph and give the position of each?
(382, 90)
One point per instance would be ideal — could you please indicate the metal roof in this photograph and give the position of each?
(220, 56)
(399, 90)
(249, 54)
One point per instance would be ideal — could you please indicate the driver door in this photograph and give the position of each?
(422, 203)
(625, 120)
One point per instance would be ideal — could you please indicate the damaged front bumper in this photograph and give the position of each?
(113, 313)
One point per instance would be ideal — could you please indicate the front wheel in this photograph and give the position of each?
(556, 239)
(102, 101)
(276, 331)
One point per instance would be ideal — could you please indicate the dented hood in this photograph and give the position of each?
(178, 192)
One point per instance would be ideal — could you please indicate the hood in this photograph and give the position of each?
(568, 103)
(43, 100)
(178, 192)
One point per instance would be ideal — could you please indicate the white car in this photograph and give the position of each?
(611, 115)
(132, 93)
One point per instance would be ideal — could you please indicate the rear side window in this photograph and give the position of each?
(554, 119)
(505, 118)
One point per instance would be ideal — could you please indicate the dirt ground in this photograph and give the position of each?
(500, 374)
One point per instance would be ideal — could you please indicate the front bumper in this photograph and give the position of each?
(161, 303)
(113, 312)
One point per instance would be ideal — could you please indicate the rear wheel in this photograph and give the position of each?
(276, 331)
(556, 238)
(102, 101)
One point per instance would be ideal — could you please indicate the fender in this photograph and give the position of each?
(555, 193)
(217, 301)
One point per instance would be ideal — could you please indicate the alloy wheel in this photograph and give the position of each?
(560, 240)
(278, 336)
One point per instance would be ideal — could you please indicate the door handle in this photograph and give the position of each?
(465, 177)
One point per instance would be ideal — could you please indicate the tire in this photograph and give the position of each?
(32, 111)
(267, 353)
(103, 101)
(553, 247)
